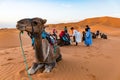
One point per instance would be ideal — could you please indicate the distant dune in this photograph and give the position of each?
(109, 25)
(104, 21)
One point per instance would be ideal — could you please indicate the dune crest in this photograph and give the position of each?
(105, 21)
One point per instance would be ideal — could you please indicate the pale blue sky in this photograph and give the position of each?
(56, 11)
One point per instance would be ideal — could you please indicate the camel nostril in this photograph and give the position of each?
(21, 28)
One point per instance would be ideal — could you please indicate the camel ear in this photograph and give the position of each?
(44, 21)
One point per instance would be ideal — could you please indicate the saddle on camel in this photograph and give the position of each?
(46, 54)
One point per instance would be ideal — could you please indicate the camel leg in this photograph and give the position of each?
(59, 58)
(35, 67)
(49, 67)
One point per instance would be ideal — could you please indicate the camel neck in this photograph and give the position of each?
(38, 49)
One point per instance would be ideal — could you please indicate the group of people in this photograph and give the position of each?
(77, 37)
(86, 36)
(65, 37)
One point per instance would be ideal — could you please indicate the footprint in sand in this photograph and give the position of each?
(91, 55)
(87, 69)
(26, 51)
(108, 57)
(92, 77)
(83, 68)
(9, 59)
(4, 53)
(75, 55)
(6, 64)
(86, 57)
(100, 55)
(7, 52)
(88, 51)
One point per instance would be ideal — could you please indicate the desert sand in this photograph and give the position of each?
(97, 62)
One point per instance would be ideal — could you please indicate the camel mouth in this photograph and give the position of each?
(21, 28)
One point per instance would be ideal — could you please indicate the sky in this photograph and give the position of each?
(55, 11)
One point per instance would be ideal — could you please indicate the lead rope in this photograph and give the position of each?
(25, 61)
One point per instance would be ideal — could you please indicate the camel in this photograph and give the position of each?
(46, 55)
(104, 36)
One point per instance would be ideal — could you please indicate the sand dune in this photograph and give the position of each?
(98, 62)
(103, 21)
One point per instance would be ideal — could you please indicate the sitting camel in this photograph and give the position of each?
(102, 35)
(46, 55)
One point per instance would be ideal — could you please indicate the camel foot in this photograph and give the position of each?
(34, 68)
(47, 70)
(49, 67)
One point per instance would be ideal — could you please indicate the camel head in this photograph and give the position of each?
(35, 25)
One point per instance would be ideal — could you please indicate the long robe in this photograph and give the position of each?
(88, 38)
(77, 36)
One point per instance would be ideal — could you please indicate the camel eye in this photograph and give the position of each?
(34, 23)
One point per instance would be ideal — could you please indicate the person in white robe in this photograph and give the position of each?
(77, 35)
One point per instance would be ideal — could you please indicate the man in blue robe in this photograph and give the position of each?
(88, 37)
